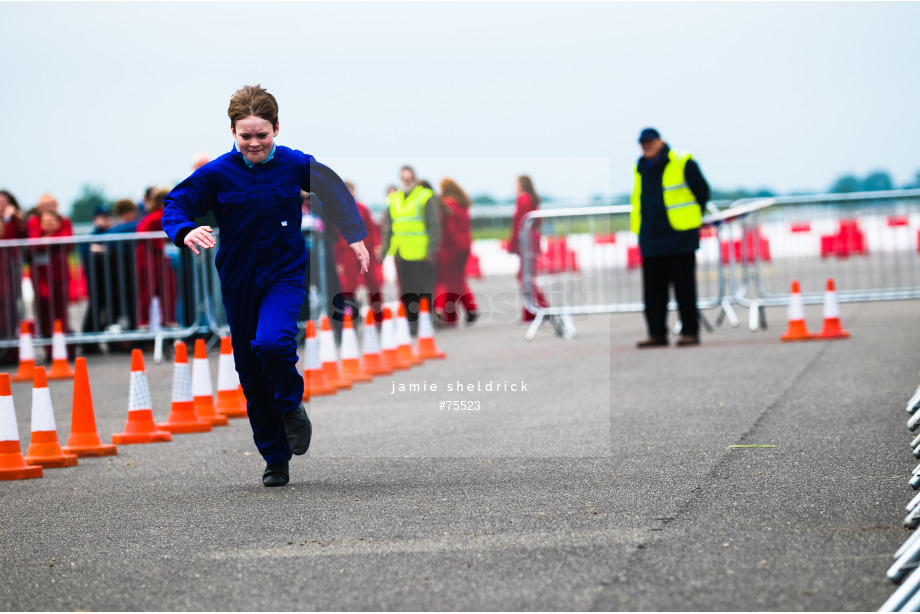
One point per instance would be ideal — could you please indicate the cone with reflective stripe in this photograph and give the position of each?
(26, 354)
(44, 448)
(140, 427)
(327, 355)
(84, 438)
(371, 357)
(230, 402)
(240, 395)
(404, 338)
(797, 330)
(60, 368)
(182, 415)
(12, 465)
(202, 390)
(314, 380)
(425, 347)
(832, 328)
(351, 357)
(388, 345)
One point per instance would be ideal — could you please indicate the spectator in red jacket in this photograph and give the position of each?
(51, 269)
(154, 274)
(349, 269)
(12, 226)
(527, 201)
(451, 290)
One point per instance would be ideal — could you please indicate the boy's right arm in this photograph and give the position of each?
(187, 201)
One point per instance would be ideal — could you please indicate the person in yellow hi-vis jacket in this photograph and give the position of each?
(667, 208)
(411, 233)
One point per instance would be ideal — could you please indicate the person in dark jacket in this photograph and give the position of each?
(254, 193)
(667, 203)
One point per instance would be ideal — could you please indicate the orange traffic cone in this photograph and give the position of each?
(388, 345)
(351, 356)
(314, 380)
(182, 415)
(140, 427)
(26, 354)
(44, 448)
(84, 438)
(425, 348)
(832, 328)
(202, 390)
(230, 402)
(371, 359)
(327, 356)
(60, 368)
(797, 330)
(12, 465)
(404, 338)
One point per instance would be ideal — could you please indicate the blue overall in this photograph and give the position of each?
(261, 262)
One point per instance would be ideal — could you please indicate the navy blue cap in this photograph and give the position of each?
(649, 134)
(102, 210)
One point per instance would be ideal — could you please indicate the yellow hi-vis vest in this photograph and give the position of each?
(684, 213)
(409, 235)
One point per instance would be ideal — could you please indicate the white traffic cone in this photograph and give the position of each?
(140, 427)
(351, 356)
(404, 338)
(425, 347)
(372, 360)
(44, 449)
(314, 380)
(182, 415)
(26, 354)
(12, 465)
(797, 331)
(230, 402)
(388, 343)
(327, 355)
(60, 368)
(202, 390)
(832, 328)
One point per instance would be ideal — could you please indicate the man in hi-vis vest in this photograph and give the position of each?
(411, 232)
(667, 207)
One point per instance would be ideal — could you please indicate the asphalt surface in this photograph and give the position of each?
(609, 484)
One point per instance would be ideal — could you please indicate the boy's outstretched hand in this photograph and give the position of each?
(200, 236)
(361, 254)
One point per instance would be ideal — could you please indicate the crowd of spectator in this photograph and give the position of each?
(135, 283)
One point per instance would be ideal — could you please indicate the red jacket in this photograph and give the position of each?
(524, 206)
(456, 240)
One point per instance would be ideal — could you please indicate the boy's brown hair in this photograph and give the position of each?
(253, 100)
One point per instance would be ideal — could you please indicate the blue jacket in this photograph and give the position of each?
(258, 211)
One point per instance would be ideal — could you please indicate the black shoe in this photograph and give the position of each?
(471, 316)
(687, 340)
(275, 475)
(298, 429)
(652, 342)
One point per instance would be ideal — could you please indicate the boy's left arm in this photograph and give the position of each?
(340, 208)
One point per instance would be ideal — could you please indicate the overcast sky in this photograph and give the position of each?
(781, 95)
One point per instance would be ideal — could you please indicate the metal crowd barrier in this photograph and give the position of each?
(866, 242)
(588, 262)
(750, 252)
(123, 287)
(905, 571)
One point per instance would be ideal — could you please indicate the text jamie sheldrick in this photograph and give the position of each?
(458, 386)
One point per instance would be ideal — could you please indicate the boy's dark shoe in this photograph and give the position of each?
(298, 429)
(652, 342)
(276, 475)
(686, 340)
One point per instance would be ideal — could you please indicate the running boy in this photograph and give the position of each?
(254, 193)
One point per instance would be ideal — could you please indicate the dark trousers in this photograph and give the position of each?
(263, 328)
(658, 274)
(416, 280)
